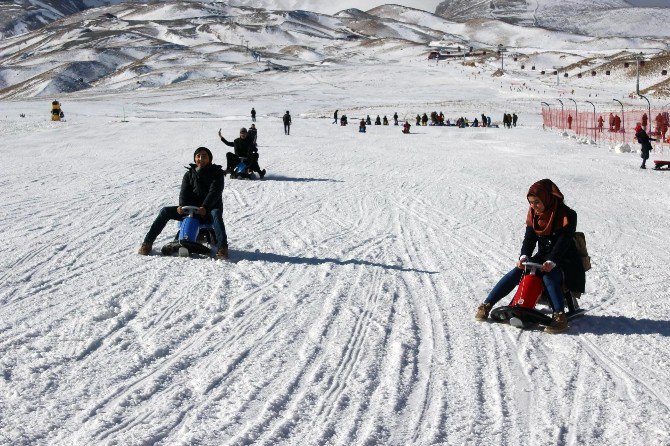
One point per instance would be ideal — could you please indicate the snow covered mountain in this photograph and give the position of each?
(593, 17)
(155, 44)
(20, 16)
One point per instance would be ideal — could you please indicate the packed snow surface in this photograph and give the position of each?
(345, 315)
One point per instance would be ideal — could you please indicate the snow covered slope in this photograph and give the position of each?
(21, 16)
(593, 17)
(327, 7)
(346, 314)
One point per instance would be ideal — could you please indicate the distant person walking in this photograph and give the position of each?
(287, 123)
(335, 117)
(253, 114)
(514, 119)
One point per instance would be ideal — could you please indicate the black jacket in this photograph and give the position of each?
(559, 248)
(242, 147)
(252, 134)
(287, 119)
(644, 141)
(203, 188)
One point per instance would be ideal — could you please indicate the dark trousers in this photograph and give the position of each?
(644, 154)
(253, 118)
(552, 283)
(233, 160)
(170, 213)
(287, 129)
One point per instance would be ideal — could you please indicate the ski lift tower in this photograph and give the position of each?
(639, 59)
(557, 70)
(501, 50)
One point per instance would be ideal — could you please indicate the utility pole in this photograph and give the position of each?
(649, 115)
(576, 114)
(557, 78)
(501, 50)
(638, 58)
(594, 118)
(623, 122)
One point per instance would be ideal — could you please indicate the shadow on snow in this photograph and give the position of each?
(301, 180)
(601, 325)
(278, 258)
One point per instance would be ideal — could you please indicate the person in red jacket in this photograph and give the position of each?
(611, 122)
(570, 122)
(659, 124)
(600, 123)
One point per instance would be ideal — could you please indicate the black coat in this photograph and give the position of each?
(559, 248)
(252, 134)
(202, 188)
(644, 141)
(287, 119)
(242, 147)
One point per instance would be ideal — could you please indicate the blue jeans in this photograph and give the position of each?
(170, 213)
(552, 283)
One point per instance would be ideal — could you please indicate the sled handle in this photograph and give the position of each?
(191, 210)
(532, 266)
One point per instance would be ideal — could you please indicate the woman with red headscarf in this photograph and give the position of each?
(550, 226)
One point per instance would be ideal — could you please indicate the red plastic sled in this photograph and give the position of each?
(521, 312)
(661, 165)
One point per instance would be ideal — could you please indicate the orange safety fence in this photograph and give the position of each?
(611, 127)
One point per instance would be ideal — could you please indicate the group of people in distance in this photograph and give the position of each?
(509, 120)
(343, 120)
(436, 119)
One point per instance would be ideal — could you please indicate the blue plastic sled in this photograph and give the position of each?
(194, 237)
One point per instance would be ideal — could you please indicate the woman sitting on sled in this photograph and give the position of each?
(551, 226)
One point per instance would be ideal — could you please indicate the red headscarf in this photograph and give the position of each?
(638, 127)
(554, 215)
